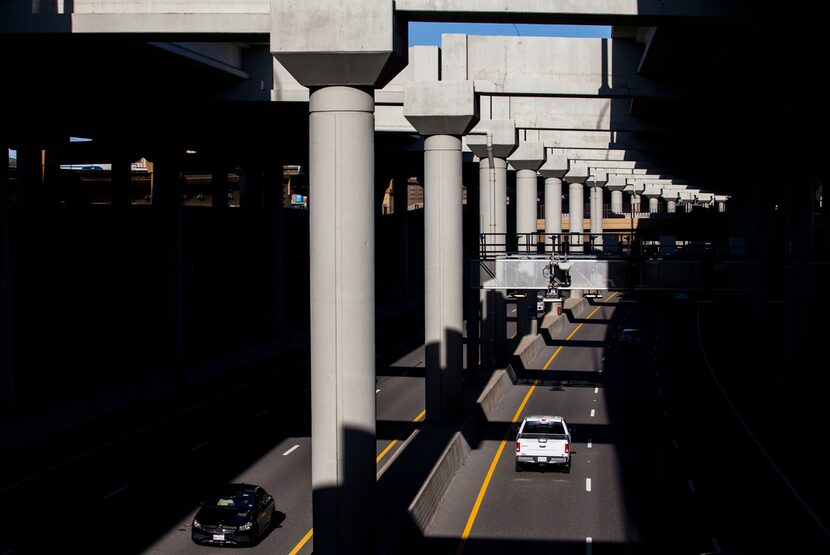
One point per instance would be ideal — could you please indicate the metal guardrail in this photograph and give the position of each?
(631, 244)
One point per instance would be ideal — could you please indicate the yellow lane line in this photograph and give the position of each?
(303, 541)
(382, 454)
(477, 505)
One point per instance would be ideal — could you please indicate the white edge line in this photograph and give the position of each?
(290, 450)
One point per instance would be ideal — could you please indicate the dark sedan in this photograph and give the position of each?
(234, 514)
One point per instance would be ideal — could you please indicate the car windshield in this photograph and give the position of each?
(546, 427)
(232, 499)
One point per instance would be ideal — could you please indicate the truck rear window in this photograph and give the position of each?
(546, 428)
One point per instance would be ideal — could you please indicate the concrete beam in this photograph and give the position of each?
(563, 11)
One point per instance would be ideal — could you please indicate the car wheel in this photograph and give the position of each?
(519, 467)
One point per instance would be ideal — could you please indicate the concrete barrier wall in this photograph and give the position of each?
(429, 497)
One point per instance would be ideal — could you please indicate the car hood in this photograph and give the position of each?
(220, 516)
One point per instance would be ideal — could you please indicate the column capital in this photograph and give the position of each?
(503, 133)
(323, 43)
(597, 178)
(577, 174)
(528, 156)
(440, 107)
(556, 165)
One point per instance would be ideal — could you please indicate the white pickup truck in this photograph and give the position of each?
(543, 440)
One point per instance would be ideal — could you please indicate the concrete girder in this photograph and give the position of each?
(503, 136)
(562, 11)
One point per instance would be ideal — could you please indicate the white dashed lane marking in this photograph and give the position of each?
(290, 450)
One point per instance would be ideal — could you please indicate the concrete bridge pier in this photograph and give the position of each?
(554, 168)
(443, 112)
(341, 71)
(595, 182)
(575, 178)
(493, 219)
(526, 160)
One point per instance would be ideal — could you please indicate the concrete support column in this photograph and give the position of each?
(654, 205)
(500, 308)
(576, 216)
(553, 209)
(671, 206)
(7, 382)
(167, 206)
(493, 198)
(342, 246)
(526, 209)
(616, 202)
(689, 206)
(487, 224)
(596, 217)
(400, 192)
(635, 203)
(443, 285)
(721, 206)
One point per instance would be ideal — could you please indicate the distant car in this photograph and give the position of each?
(233, 514)
(681, 296)
(540, 305)
(631, 336)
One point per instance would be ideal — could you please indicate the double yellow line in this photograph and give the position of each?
(380, 456)
(477, 505)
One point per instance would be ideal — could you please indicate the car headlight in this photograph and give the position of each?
(196, 524)
(246, 526)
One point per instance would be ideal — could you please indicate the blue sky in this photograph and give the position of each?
(421, 33)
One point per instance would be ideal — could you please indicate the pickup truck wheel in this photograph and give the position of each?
(567, 468)
(519, 467)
